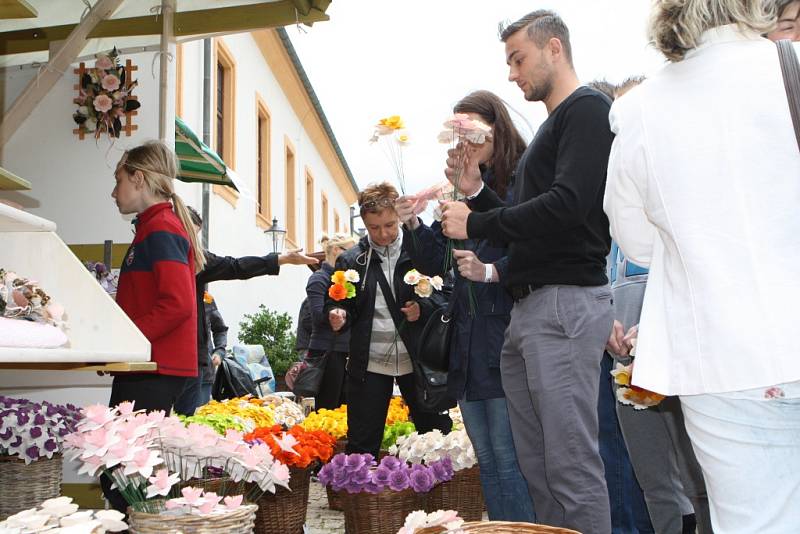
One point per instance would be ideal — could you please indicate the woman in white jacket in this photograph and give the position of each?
(704, 188)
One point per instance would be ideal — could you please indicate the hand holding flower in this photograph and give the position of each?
(462, 169)
(337, 318)
(454, 219)
(469, 266)
(411, 310)
(405, 207)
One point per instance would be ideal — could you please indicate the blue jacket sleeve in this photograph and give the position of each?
(317, 291)
(426, 246)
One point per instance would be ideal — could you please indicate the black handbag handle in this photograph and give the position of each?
(790, 68)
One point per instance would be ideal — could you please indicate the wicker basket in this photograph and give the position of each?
(334, 498)
(240, 521)
(284, 512)
(501, 527)
(25, 486)
(378, 513)
(462, 493)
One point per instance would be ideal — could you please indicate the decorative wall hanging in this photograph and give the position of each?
(104, 98)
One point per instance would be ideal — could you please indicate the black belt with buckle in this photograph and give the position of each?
(520, 292)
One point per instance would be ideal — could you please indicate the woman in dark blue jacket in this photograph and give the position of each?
(323, 338)
(481, 314)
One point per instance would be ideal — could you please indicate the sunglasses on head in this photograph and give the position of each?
(381, 202)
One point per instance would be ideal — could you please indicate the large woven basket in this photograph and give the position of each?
(462, 493)
(284, 512)
(501, 527)
(378, 513)
(334, 497)
(239, 521)
(25, 486)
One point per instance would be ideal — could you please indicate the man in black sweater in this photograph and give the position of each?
(558, 240)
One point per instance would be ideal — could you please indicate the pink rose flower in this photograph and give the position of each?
(110, 82)
(103, 103)
(103, 62)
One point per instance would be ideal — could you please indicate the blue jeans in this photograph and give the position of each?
(186, 403)
(504, 488)
(628, 508)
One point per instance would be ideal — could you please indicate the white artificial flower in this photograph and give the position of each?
(412, 277)
(437, 282)
(351, 275)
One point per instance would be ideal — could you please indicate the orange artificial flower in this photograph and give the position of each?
(312, 445)
(338, 277)
(337, 292)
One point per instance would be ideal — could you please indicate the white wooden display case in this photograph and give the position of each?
(101, 336)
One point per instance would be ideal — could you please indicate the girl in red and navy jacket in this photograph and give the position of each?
(157, 280)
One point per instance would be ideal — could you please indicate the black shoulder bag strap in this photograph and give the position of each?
(389, 297)
(791, 81)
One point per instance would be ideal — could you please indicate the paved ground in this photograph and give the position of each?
(320, 519)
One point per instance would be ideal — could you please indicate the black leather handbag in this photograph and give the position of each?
(309, 379)
(434, 343)
(233, 380)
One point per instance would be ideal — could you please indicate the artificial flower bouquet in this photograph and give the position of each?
(357, 473)
(392, 432)
(334, 422)
(434, 446)
(104, 97)
(61, 516)
(629, 394)
(149, 457)
(391, 135)
(423, 285)
(285, 411)
(343, 284)
(34, 430)
(296, 447)
(252, 415)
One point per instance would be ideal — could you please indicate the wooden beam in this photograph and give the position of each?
(11, 182)
(114, 367)
(187, 23)
(17, 9)
(302, 6)
(167, 38)
(59, 62)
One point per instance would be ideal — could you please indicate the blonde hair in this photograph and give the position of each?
(159, 166)
(377, 197)
(329, 244)
(676, 25)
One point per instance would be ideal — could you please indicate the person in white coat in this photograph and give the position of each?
(704, 189)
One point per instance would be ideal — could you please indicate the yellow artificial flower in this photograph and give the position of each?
(207, 298)
(339, 278)
(394, 122)
(622, 374)
(242, 408)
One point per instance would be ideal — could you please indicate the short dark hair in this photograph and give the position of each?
(197, 220)
(780, 5)
(541, 25)
(377, 197)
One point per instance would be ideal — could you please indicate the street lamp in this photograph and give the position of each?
(277, 234)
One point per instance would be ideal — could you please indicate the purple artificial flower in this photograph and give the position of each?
(381, 475)
(326, 474)
(340, 460)
(421, 480)
(442, 471)
(355, 461)
(352, 487)
(39, 419)
(32, 452)
(391, 462)
(373, 488)
(22, 418)
(341, 477)
(6, 435)
(50, 445)
(16, 443)
(362, 476)
(36, 432)
(368, 459)
(63, 432)
(51, 410)
(398, 481)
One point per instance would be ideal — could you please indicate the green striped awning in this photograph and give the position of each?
(198, 163)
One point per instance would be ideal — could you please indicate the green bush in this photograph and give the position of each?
(274, 332)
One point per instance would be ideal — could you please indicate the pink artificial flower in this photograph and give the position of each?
(130, 431)
(161, 483)
(280, 472)
(287, 443)
(143, 463)
(174, 503)
(91, 465)
(103, 62)
(103, 103)
(192, 495)
(98, 414)
(98, 441)
(232, 502)
(211, 501)
(234, 435)
(250, 459)
(121, 452)
(125, 408)
(110, 82)
(156, 416)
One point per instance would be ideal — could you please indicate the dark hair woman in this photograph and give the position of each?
(481, 318)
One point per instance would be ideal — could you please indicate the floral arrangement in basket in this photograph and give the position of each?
(61, 516)
(398, 411)
(284, 410)
(148, 455)
(343, 284)
(251, 414)
(221, 423)
(448, 520)
(296, 447)
(334, 422)
(394, 431)
(434, 446)
(104, 96)
(391, 135)
(34, 430)
(356, 473)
